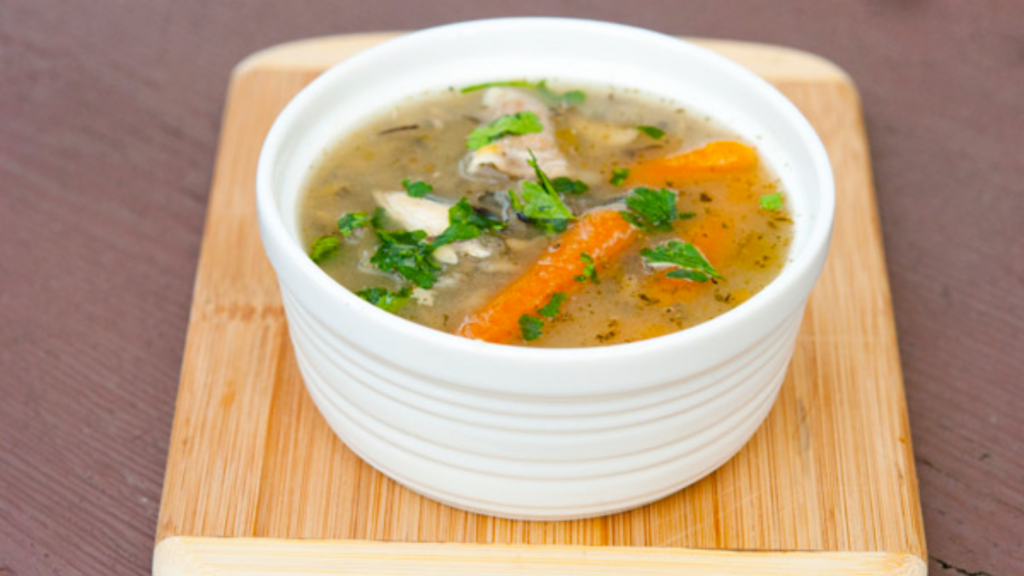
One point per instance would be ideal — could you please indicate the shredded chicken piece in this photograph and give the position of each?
(509, 155)
(431, 217)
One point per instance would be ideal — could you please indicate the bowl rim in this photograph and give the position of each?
(793, 272)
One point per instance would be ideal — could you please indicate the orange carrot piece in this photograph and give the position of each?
(602, 234)
(723, 157)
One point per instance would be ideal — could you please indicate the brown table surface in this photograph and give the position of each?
(110, 113)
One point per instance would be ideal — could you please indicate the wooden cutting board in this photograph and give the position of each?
(257, 483)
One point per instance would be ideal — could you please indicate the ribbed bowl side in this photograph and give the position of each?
(530, 457)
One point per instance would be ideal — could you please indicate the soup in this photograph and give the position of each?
(539, 215)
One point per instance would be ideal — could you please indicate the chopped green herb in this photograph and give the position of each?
(541, 203)
(589, 270)
(351, 222)
(564, 185)
(525, 122)
(500, 84)
(323, 248)
(407, 254)
(687, 215)
(378, 218)
(550, 310)
(692, 264)
(652, 131)
(417, 189)
(772, 201)
(651, 210)
(385, 299)
(573, 97)
(531, 327)
(549, 96)
(619, 176)
(464, 224)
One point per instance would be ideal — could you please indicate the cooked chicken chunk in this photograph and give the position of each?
(510, 154)
(431, 217)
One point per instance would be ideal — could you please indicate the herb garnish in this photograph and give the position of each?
(589, 270)
(377, 220)
(541, 202)
(564, 185)
(619, 176)
(323, 248)
(573, 97)
(651, 210)
(652, 131)
(385, 299)
(531, 327)
(525, 122)
(549, 96)
(417, 189)
(464, 224)
(772, 201)
(407, 254)
(692, 264)
(352, 221)
(550, 310)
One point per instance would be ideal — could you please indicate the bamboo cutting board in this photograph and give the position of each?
(256, 482)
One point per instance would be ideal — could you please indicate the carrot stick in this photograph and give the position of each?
(602, 234)
(716, 158)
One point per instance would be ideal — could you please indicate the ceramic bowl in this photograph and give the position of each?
(525, 432)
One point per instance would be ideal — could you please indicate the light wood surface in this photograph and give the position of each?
(831, 470)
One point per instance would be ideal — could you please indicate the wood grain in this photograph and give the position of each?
(184, 556)
(831, 469)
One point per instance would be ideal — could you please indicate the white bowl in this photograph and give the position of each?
(524, 432)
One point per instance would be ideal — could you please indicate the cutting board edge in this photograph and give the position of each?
(185, 555)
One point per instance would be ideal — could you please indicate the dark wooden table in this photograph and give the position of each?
(110, 113)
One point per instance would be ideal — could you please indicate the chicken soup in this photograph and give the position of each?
(533, 214)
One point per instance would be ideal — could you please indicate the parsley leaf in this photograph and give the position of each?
(352, 221)
(500, 84)
(772, 201)
(407, 254)
(652, 131)
(687, 215)
(525, 122)
(464, 224)
(573, 97)
(323, 248)
(531, 327)
(385, 299)
(692, 264)
(417, 189)
(564, 185)
(541, 202)
(377, 220)
(589, 270)
(550, 310)
(651, 210)
(619, 176)
(549, 96)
